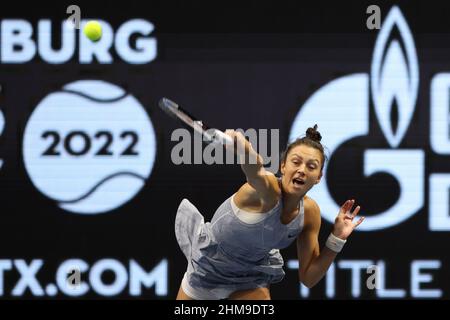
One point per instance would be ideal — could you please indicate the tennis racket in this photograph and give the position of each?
(210, 135)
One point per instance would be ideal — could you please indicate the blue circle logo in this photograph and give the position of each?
(90, 147)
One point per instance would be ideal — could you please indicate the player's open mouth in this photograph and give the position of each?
(298, 182)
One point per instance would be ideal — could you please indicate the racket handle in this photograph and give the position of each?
(221, 137)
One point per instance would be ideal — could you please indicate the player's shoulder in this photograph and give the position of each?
(273, 180)
(310, 204)
(274, 188)
(247, 195)
(312, 210)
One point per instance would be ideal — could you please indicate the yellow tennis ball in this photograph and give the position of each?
(93, 30)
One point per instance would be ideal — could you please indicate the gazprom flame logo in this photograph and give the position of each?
(341, 108)
(394, 77)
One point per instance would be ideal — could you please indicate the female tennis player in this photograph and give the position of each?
(236, 255)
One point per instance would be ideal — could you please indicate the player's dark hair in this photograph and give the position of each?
(312, 139)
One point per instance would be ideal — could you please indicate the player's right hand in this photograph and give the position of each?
(240, 144)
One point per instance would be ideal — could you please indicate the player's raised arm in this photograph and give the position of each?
(252, 164)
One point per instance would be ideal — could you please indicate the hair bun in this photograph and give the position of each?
(313, 134)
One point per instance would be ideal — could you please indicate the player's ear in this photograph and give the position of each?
(282, 168)
(319, 177)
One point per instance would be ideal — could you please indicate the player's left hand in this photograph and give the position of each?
(343, 224)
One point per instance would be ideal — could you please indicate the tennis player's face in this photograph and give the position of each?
(301, 169)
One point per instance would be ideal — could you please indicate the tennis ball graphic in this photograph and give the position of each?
(93, 30)
(90, 147)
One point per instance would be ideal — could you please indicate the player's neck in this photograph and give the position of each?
(291, 202)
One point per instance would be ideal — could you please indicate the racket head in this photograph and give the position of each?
(189, 121)
(182, 116)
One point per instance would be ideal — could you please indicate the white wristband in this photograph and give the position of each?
(334, 243)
